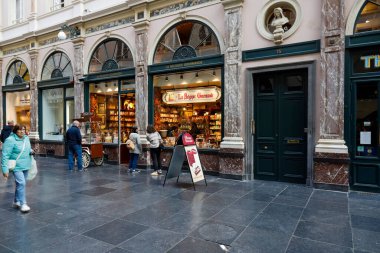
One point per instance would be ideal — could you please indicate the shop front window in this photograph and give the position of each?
(369, 18)
(52, 111)
(186, 40)
(18, 108)
(189, 101)
(17, 73)
(114, 112)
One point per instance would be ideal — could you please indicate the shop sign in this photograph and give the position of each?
(371, 61)
(200, 95)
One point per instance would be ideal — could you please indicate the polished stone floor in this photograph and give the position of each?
(108, 210)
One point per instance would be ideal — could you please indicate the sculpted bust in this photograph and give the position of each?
(278, 22)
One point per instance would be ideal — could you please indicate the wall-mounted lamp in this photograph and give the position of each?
(181, 76)
(214, 73)
(196, 74)
(74, 32)
(166, 78)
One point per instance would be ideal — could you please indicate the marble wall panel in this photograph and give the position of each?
(331, 169)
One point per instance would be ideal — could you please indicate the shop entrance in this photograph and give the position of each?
(280, 135)
(365, 172)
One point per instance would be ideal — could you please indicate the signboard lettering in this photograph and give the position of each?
(199, 95)
(371, 61)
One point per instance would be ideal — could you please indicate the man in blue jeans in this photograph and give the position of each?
(74, 142)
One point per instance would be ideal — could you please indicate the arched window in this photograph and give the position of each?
(57, 65)
(110, 55)
(17, 73)
(369, 18)
(187, 39)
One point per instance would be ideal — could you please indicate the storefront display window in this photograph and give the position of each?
(186, 40)
(115, 113)
(18, 107)
(52, 110)
(189, 101)
(369, 18)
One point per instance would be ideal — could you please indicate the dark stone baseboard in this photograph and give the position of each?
(331, 187)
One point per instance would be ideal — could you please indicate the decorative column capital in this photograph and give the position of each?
(141, 26)
(231, 4)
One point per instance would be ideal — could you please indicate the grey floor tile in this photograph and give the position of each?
(339, 235)
(323, 216)
(332, 196)
(321, 204)
(38, 240)
(96, 191)
(366, 240)
(302, 245)
(149, 216)
(237, 216)
(279, 218)
(79, 243)
(55, 215)
(101, 181)
(180, 223)
(117, 209)
(255, 240)
(195, 245)
(5, 250)
(297, 191)
(200, 211)
(260, 196)
(364, 208)
(82, 222)
(119, 250)
(300, 201)
(365, 223)
(115, 232)
(218, 232)
(20, 226)
(152, 240)
(8, 215)
(249, 204)
(191, 196)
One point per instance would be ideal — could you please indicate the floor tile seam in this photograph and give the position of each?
(350, 222)
(325, 223)
(15, 251)
(226, 222)
(329, 243)
(299, 219)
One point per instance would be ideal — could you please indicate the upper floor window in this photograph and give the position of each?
(56, 66)
(186, 40)
(57, 4)
(18, 13)
(17, 73)
(111, 54)
(369, 18)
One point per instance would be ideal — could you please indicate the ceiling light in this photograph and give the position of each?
(367, 21)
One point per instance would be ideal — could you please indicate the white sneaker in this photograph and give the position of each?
(16, 205)
(155, 173)
(25, 208)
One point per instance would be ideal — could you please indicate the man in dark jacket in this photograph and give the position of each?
(7, 130)
(74, 142)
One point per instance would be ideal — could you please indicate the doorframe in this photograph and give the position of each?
(311, 72)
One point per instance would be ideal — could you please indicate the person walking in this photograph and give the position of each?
(155, 151)
(74, 142)
(17, 147)
(7, 130)
(135, 137)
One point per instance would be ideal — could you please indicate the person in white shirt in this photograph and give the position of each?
(155, 151)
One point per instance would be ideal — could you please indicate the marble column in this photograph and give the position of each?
(232, 146)
(331, 153)
(141, 64)
(33, 72)
(78, 73)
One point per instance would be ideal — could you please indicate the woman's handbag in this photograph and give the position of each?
(33, 170)
(12, 163)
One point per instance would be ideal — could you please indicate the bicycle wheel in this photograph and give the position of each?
(98, 161)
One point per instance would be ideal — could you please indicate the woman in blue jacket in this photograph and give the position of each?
(17, 146)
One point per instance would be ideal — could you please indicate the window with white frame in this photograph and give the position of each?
(57, 4)
(18, 11)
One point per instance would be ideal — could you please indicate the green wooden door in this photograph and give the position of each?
(365, 157)
(280, 109)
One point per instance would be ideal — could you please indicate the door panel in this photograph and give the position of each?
(365, 166)
(281, 120)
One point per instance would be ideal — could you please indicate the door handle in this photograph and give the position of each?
(253, 126)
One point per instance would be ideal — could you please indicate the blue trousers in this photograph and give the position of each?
(133, 161)
(75, 149)
(20, 179)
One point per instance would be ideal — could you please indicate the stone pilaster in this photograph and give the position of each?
(141, 63)
(331, 139)
(78, 73)
(232, 145)
(33, 72)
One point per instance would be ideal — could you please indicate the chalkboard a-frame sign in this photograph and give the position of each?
(189, 152)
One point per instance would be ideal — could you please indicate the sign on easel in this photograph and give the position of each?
(190, 151)
(193, 158)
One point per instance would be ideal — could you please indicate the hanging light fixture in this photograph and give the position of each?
(166, 78)
(181, 76)
(196, 74)
(214, 73)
